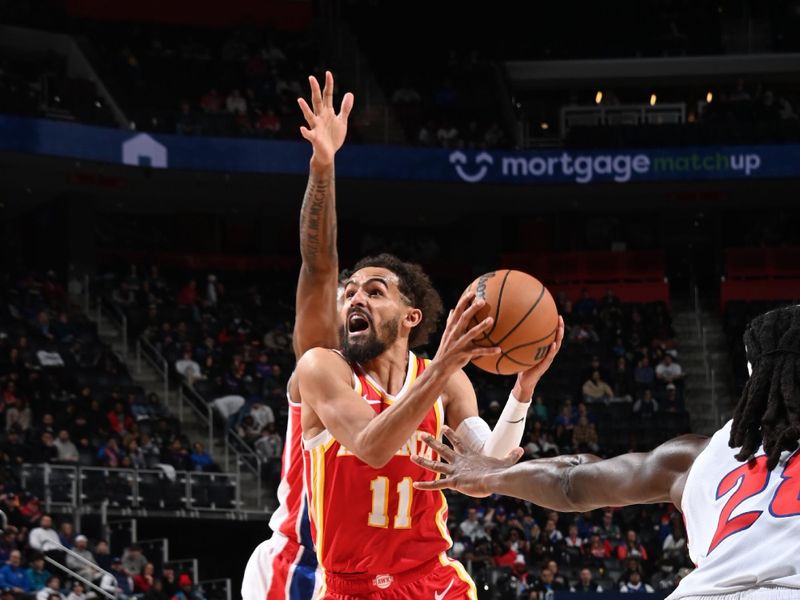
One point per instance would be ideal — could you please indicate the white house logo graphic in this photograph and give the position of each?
(143, 151)
(483, 160)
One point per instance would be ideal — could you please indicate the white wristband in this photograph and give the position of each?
(507, 434)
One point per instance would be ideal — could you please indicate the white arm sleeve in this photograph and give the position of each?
(474, 432)
(507, 434)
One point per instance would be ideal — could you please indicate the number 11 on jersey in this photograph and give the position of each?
(379, 517)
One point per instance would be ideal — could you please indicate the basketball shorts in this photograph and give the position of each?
(438, 579)
(280, 569)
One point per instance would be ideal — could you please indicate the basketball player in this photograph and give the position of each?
(364, 412)
(739, 490)
(284, 567)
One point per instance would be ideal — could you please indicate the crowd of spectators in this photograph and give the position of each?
(67, 399)
(32, 537)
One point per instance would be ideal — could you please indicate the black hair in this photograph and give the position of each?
(768, 411)
(415, 286)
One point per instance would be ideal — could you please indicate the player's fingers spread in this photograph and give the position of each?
(470, 312)
(479, 329)
(432, 465)
(477, 352)
(347, 105)
(439, 447)
(308, 114)
(306, 133)
(327, 92)
(463, 303)
(513, 457)
(455, 439)
(316, 94)
(439, 484)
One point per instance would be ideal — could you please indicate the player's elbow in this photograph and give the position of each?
(372, 452)
(572, 498)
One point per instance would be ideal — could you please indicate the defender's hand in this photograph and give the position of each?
(326, 130)
(465, 471)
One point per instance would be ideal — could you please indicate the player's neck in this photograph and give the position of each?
(390, 368)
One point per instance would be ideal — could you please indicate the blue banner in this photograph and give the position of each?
(53, 138)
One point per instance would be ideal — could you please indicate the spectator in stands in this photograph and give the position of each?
(211, 102)
(565, 423)
(123, 579)
(248, 429)
(646, 406)
(471, 527)
(45, 451)
(144, 580)
(595, 390)
(504, 556)
(53, 588)
(268, 123)
(77, 592)
(82, 567)
(102, 554)
(37, 575)
(119, 420)
(178, 456)
(66, 534)
(44, 538)
(13, 576)
(150, 451)
(67, 451)
(134, 457)
(494, 136)
(133, 561)
(635, 584)
(156, 591)
(110, 454)
(235, 103)
(674, 545)
(14, 448)
(668, 371)
(584, 436)
(586, 583)
(621, 380)
(188, 368)
(447, 135)
(644, 375)
(201, 460)
(187, 591)
(546, 585)
(632, 548)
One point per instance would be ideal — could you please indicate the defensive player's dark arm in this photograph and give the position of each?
(316, 322)
(325, 387)
(585, 482)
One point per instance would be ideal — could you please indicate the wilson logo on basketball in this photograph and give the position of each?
(459, 160)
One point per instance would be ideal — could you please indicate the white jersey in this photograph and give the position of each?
(742, 522)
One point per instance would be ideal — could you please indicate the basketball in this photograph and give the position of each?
(525, 320)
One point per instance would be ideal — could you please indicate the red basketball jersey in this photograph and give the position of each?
(372, 521)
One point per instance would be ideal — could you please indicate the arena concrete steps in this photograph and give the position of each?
(705, 359)
(195, 429)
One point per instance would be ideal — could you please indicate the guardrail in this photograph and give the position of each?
(117, 317)
(145, 350)
(83, 580)
(70, 487)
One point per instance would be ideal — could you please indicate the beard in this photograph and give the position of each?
(371, 346)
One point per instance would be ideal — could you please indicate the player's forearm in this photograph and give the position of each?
(544, 482)
(386, 433)
(318, 219)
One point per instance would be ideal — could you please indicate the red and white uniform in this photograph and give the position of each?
(284, 567)
(375, 534)
(743, 524)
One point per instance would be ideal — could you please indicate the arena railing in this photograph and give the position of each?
(84, 561)
(145, 350)
(216, 589)
(117, 317)
(621, 114)
(232, 442)
(69, 487)
(83, 580)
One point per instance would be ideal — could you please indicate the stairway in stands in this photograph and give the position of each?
(706, 361)
(144, 375)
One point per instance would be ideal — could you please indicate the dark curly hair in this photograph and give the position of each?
(769, 410)
(414, 285)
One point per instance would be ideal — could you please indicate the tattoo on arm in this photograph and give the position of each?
(318, 220)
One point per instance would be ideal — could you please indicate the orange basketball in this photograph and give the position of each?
(525, 320)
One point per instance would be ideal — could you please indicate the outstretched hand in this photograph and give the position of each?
(465, 470)
(326, 130)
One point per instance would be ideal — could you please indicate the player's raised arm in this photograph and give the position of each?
(325, 388)
(462, 408)
(316, 323)
(574, 483)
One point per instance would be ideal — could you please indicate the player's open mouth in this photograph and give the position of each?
(356, 323)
